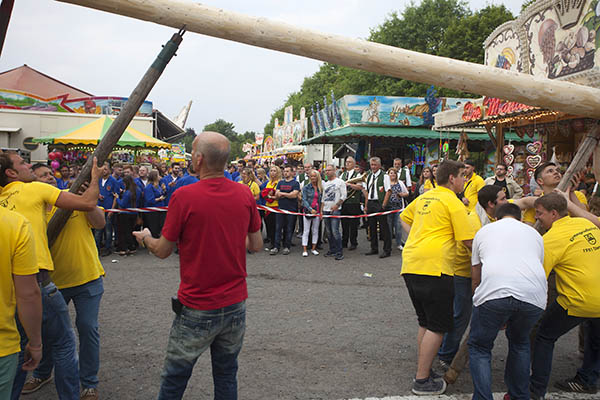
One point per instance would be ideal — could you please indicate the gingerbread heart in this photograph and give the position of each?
(535, 147)
(509, 148)
(509, 158)
(530, 173)
(534, 161)
(510, 170)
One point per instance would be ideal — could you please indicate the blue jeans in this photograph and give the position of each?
(58, 338)
(285, 223)
(194, 331)
(334, 236)
(8, 369)
(395, 227)
(488, 319)
(86, 298)
(555, 323)
(590, 369)
(106, 234)
(463, 305)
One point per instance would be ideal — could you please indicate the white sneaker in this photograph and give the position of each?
(315, 253)
(400, 247)
(305, 254)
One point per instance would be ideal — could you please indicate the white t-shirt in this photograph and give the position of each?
(512, 257)
(334, 191)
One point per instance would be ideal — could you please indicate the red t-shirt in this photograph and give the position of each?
(210, 220)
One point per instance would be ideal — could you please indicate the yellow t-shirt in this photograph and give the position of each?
(74, 253)
(529, 214)
(427, 186)
(463, 254)
(572, 249)
(272, 185)
(31, 200)
(17, 257)
(253, 187)
(438, 220)
(471, 190)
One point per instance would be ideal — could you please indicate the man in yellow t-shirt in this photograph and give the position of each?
(472, 186)
(548, 176)
(18, 288)
(572, 250)
(436, 220)
(31, 199)
(78, 274)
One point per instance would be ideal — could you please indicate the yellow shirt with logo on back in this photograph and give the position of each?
(529, 214)
(438, 220)
(17, 257)
(472, 187)
(74, 253)
(463, 254)
(31, 200)
(572, 249)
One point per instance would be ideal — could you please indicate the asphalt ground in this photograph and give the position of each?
(316, 329)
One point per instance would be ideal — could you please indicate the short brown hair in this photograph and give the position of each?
(553, 201)
(6, 162)
(541, 168)
(447, 168)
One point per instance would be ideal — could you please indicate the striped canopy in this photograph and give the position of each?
(92, 132)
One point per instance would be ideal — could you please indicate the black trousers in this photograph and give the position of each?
(350, 225)
(374, 206)
(125, 225)
(154, 221)
(270, 223)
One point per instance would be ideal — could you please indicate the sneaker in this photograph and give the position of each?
(89, 394)
(274, 251)
(575, 385)
(315, 253)
(429, 387)
(33, 384)
(435, 376)
(285, 251)
(339, 257)
(328, 254)
(305, 254)
(444, 365)
(267, 249)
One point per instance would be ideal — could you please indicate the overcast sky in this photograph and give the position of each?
(107, 54)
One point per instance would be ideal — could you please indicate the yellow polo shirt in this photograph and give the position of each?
(463, 254)
(253, 186)
(572, 249)
(529, 214)
(438, 220)
(272, 185)
(17, 257)
(74, 253)
(30, 200)
(472, 187)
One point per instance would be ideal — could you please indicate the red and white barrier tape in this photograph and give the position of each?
(264, 208)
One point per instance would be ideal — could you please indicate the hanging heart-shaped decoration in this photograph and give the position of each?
(509, 158)
(534, 161)
(534, 148)
(509, 148)
(530, 173)
(510, 170)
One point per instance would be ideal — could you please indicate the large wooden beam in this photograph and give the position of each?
(360, 54)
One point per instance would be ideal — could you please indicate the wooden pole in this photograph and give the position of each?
(361, 54)
(584, 152)
(499, 143)
(104, 148)
(5, 12)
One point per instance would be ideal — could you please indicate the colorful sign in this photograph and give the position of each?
(177, 152)
(258, 138)
(17, 100)
(292, 131)
(488, 107)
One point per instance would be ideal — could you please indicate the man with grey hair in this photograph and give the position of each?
(351, 205)
(376, 190)
(213, 234)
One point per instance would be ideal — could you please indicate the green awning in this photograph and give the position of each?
(351, 134)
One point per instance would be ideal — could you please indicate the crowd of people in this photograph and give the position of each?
(470, 255)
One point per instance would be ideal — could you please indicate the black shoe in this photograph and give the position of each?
(328, 254)
(385, 254)
(352, 247)
(105, 252)
(575, 385)
(339, 257)
(372, 253)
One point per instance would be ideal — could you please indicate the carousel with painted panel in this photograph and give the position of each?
(550, 39)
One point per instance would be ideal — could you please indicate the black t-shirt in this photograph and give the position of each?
(502, 184)
(288, 187)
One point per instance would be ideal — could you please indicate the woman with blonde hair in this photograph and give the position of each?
(249, 180)
(261, 176)
(268, 193)
(312, 194)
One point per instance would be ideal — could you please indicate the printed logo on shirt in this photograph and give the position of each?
(590, 238)
(329, 194)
